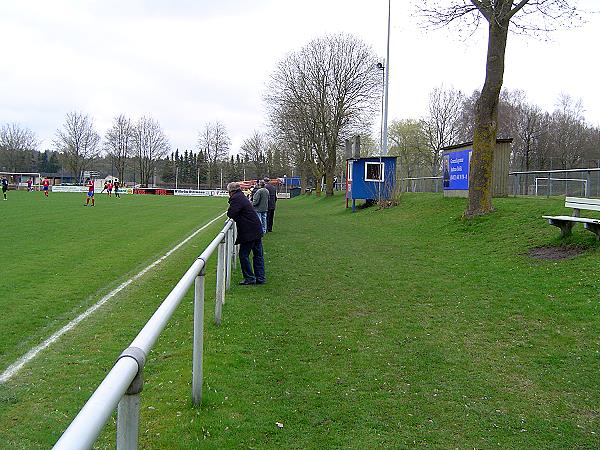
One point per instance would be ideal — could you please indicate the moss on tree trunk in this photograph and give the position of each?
(486, 122)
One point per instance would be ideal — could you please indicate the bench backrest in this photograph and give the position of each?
(583, 203)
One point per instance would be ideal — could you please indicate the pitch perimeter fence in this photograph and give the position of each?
(122, 386)
(567, 182)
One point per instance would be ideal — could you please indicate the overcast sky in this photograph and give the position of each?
(188, 62)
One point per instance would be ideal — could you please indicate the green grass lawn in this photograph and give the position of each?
(401, 328)
(59, 257)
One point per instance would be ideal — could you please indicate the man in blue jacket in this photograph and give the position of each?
(249, 235)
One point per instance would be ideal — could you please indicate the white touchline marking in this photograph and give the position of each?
(18, 365)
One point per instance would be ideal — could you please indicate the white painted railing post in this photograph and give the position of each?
(235, 247)
(121, 387)
(198, 338)
(229, 259)
(128, 410)
(220, 294)
(128, 422)
(225, 264)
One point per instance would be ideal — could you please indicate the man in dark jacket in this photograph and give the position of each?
(249, 235)
(272, 201)
(4, 187)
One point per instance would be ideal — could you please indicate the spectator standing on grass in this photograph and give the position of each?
(90, 194)
(116, 186)
(46, 186)
(4, 187)
(254, 189)
(260, 201)
(272, 202)
(249, 235)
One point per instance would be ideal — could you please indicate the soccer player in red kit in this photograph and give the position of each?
(45, 186)
(90, 185)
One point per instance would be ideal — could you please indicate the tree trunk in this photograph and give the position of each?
(329, 174)
(303, 181)
(319, 171)
(486, 123)
(306, 170)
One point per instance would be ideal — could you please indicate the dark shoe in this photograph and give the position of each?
(262, 282)
(246, 283)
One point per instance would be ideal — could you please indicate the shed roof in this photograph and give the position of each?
(467, 144)
(374, 158)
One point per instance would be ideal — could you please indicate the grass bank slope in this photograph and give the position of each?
(402, 328)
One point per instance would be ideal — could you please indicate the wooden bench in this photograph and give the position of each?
(566, 223)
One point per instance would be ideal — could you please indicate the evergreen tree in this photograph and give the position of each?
(201, 167)
(168, 172)
(236, 165)
(186, 168)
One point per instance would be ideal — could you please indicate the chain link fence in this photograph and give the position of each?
(568, 182)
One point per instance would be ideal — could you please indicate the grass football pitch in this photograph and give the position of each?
(399, 328)
(59, 257)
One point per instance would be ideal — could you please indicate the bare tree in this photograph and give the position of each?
(279, 164)
(569, 132)
(410, 144)
(214, 141)
(525, 123)
(254, 150)
(150, 144)
(525, 16)
(592, 155)
(330, 87)
(119, 143)
(442, 126)
(296, 131)
(530, 127)
(77, 142)
(15, 143)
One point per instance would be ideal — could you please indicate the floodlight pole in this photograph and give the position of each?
(387, 82)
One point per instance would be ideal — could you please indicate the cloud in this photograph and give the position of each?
(188, 62)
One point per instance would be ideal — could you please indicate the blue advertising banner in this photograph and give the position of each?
(456, 170)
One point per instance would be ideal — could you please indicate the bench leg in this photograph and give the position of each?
(565, 227)
(594, 228)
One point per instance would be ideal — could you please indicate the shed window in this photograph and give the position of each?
(373, 171)
(350, 166)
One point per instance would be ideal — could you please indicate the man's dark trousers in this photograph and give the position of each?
(270, 215)
(258, 262)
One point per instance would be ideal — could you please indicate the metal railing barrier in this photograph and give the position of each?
(122, 386)
(420, 184)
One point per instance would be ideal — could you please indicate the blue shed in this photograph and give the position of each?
(370, 178)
